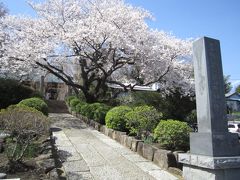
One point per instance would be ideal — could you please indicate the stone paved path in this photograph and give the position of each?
(89, 154)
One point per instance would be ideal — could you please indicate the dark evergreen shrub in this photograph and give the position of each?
(12, 92)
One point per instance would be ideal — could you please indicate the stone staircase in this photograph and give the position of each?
(56, 106)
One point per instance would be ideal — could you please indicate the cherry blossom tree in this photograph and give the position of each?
(164, 59)
(3, 10)
(103, 41)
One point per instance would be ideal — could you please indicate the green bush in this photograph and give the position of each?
(79, 107)
(115, 118)
(91, 109)
(69, 98)
(12, 92)
(100, 113)
(172, 134)
(96, 111)
(73, 103)
(84, 109)
(36, 103)
(142, 120)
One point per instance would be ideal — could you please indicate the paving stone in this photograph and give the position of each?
(123, 151)
(62, 115)
(111, 143)
(90, 155)
(59, 135)
(106, 173)
(130, 171)
(160, 174)
(110, 155)
(79, 176)
(147, 166)
(68, 154)
(62, 143)
(101, 156)
(75, 166)
(135, 158)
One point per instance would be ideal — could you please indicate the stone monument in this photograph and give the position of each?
(214, 152)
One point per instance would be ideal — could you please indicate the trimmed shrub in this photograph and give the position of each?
(142, 120)
(84, 109)
(91, 109)
(36, 103)
(69, 98)
(173, 134)
(100, 113)
(115, 118)
(73, 103)
(79, 107)
(96, 111)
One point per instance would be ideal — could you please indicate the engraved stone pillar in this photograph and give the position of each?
(214, 152)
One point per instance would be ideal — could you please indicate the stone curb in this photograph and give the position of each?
(60, 170)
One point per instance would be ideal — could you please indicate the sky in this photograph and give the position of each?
(218, 19)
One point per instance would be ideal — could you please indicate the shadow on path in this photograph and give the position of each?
(55, 106)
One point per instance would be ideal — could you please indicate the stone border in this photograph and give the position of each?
(210, 162)
(59, 170)
(165, 159)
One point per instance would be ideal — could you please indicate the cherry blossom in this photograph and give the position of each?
(89, 44)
